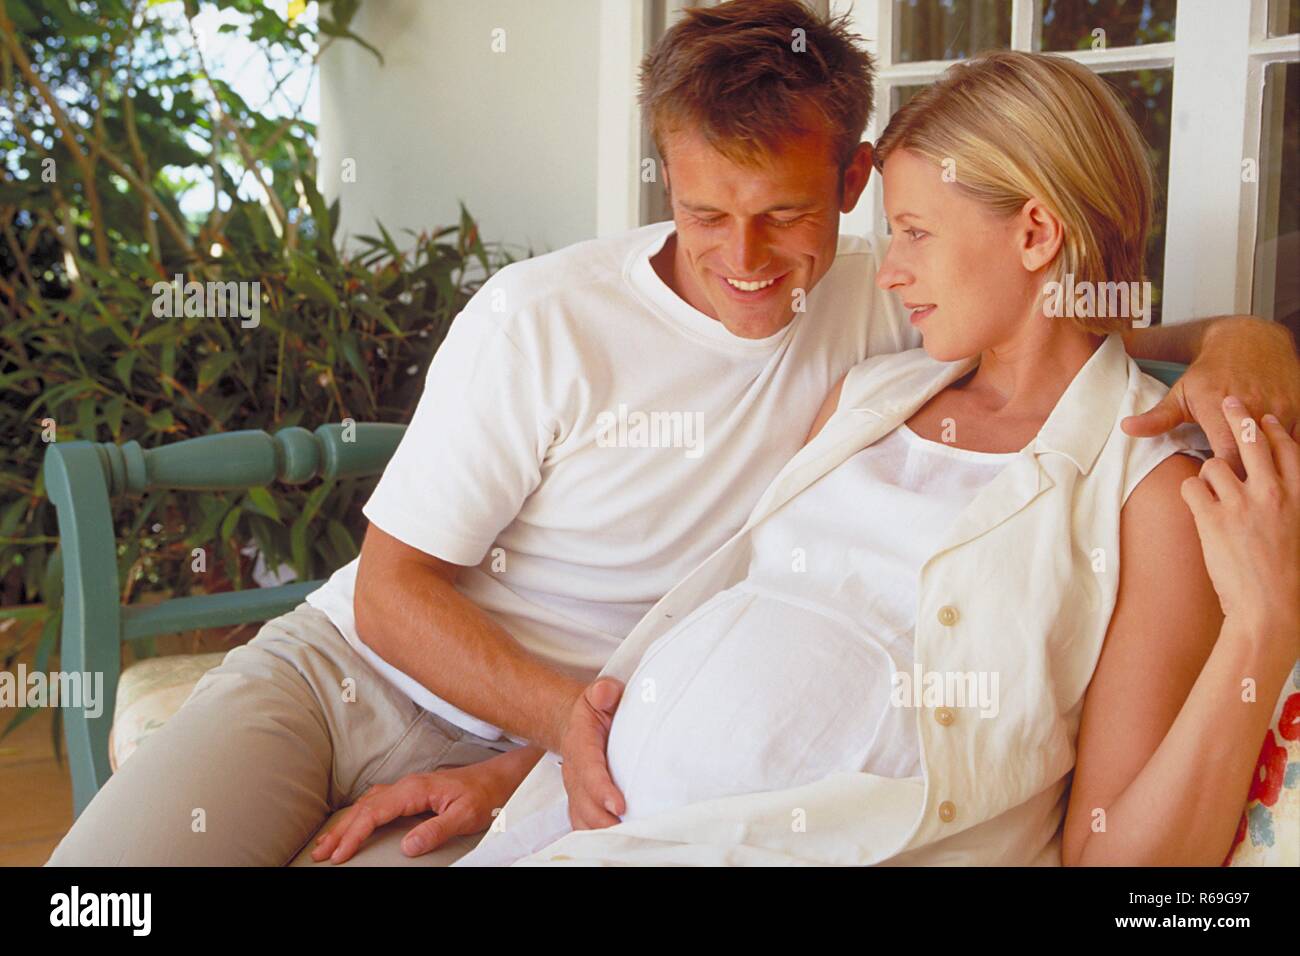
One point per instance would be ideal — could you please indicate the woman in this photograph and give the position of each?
(970, 584)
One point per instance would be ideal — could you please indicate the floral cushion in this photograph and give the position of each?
(1269, 831)
(148, 693)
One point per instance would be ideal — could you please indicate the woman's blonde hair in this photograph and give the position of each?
(1022, 125)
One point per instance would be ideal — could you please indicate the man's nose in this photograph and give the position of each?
(891, 276)
(746, 249)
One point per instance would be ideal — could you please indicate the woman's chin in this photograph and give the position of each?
(942, 351)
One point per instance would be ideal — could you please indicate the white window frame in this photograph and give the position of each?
(1220, 51)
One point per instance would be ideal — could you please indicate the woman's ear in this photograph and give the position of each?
(1041, 235)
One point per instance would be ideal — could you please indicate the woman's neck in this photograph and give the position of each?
(1002, 405)
(1024, 377)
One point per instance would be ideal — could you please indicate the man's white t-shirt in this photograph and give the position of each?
(586, 438)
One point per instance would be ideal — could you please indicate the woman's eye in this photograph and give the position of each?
(914, 234)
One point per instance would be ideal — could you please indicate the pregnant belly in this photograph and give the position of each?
(752, 693)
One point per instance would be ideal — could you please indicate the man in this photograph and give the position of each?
(599, 420)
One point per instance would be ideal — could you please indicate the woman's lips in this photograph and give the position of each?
(919, 313)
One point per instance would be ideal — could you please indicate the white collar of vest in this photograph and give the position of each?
(1080, 422)
(886, 390)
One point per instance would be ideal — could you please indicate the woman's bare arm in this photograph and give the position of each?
(1169, 737)
(1161, 634)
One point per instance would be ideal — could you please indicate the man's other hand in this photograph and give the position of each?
(1248, 357)
(464, 799)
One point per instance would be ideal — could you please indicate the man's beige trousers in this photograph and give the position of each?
(290, 730)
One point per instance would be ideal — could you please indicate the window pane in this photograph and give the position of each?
(1149, 97)
(1069, 24)
(899, 95)
(949, 29)
(1283, 17)
(1277, 244)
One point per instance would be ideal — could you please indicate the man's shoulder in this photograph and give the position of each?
(854, 267)
(573, 270)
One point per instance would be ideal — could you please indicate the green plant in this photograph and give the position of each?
(84, 265)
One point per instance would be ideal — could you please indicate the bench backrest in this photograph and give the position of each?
(82, 477)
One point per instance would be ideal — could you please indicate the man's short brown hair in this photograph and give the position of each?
(749, 73)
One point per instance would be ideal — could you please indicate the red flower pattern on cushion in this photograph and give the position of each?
(1288, 724)
(1266, 784)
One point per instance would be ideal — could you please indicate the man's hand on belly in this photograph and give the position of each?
(463, 798)
(594, 801)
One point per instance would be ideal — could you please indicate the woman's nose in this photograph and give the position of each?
(891, 275)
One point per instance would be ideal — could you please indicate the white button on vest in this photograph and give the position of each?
(948, 615)
(947, 811)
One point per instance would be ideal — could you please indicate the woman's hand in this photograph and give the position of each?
(465, 800)
(1250, 530)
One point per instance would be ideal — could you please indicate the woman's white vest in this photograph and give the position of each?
(1023, 588)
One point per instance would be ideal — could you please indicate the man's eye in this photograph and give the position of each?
(711, 221)
(786, 223)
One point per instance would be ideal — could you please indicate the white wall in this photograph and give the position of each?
(512, 134)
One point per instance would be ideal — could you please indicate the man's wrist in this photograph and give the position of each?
(512, 766)
(1232, 326)
(566, 700)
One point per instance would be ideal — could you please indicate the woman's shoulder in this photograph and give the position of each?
(1147, 456)
(892, 373)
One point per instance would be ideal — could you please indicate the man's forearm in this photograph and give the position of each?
(1183, 341)
(1180, 342)
(418, 622)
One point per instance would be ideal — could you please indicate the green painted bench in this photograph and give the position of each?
(81, 477)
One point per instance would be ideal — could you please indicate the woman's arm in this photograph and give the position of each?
(1169, 736)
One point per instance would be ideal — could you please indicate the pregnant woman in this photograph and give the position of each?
(970, 622)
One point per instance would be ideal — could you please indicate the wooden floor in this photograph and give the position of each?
(35, 793)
